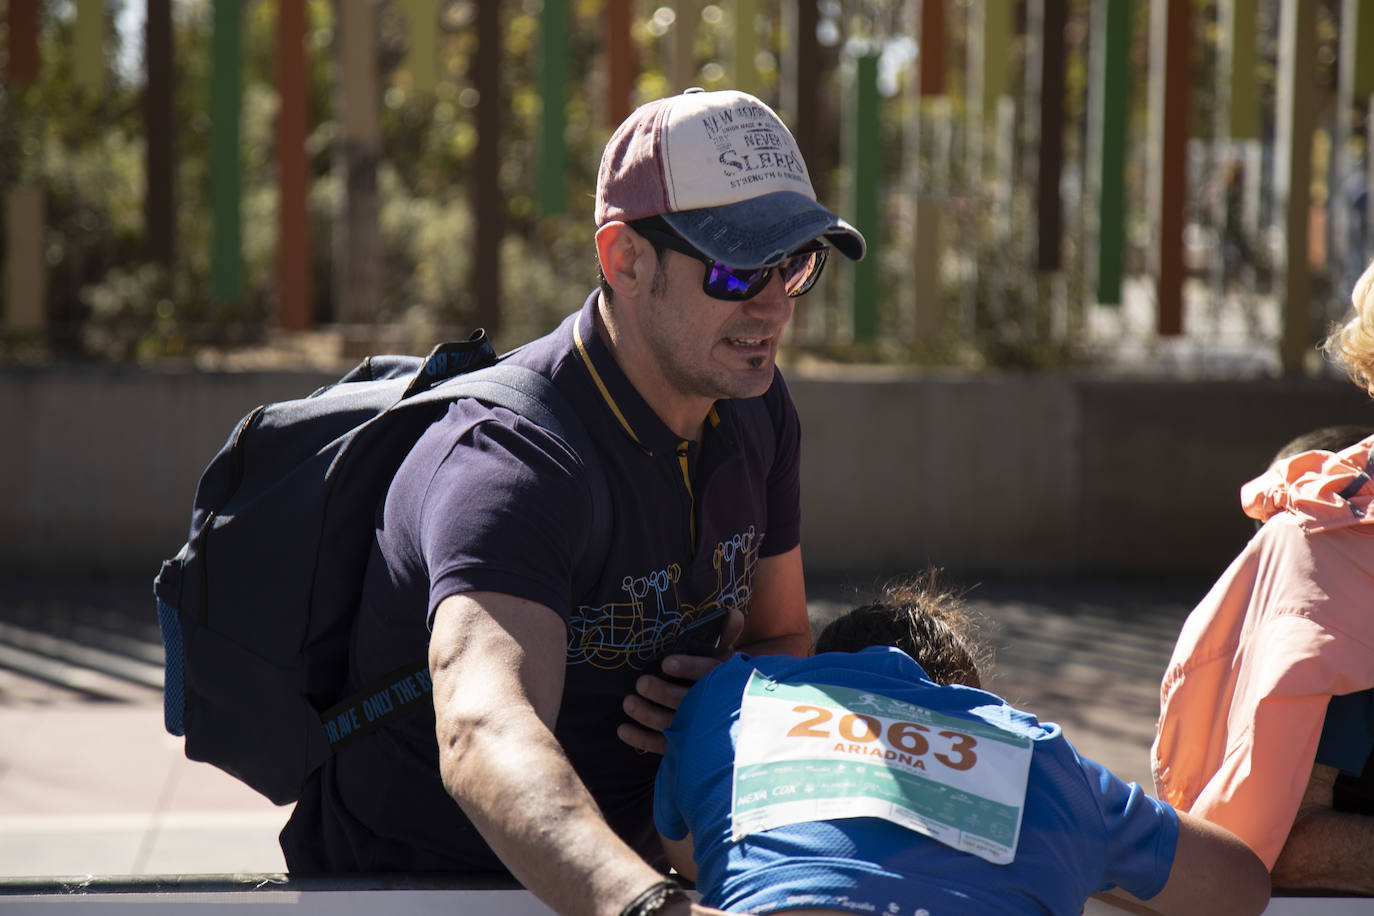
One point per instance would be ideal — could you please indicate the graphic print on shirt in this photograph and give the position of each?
(655, 615)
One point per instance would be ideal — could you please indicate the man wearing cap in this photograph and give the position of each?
(555, 673)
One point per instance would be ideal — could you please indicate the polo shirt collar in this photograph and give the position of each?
(632, 413)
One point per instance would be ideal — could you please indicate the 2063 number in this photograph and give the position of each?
(908, 737)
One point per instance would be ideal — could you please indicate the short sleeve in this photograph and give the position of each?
(1141, 832)
(505, 508)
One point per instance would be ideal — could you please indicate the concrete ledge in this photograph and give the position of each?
(983, 474)
(403, 895)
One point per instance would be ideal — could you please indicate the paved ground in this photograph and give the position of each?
(90, 784)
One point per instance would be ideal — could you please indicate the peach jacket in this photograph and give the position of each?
(1288, 625)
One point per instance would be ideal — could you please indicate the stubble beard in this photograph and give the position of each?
(708, 381)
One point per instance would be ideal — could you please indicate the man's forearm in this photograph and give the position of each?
(777, 622)
(1328, 850)
(798, 644)
(514, 782)
(497, 666)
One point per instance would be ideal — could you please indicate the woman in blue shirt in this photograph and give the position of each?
(872, 779)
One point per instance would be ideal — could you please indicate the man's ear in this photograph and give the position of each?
(624, 259)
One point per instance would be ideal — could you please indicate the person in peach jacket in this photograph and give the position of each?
(1289, 625)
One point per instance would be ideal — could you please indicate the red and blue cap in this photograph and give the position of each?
(724, 172)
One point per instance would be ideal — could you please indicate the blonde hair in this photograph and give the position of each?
(1354, 340)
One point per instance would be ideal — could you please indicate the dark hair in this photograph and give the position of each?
(924, 620)
(1327, 438)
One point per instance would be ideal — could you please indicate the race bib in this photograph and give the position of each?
(817, 752)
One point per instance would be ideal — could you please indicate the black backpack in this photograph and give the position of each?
(257, 608)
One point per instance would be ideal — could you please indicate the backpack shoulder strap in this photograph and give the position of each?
(531, 395)
(537, 399)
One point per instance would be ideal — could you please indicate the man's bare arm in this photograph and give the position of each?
(778, 623)
(497, 664)
(1326, 849)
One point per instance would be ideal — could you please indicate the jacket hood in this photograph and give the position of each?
(1324, 490)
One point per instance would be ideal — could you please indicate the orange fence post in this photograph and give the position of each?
(293, 222)
(620, 63)
(932, 50)
(22, 66)
(1169, 103)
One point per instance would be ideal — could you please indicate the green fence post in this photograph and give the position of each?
(422, 40)
(553, 82)
(1242, 38)
(1116, 103)
(88, 47)
(1358, 37)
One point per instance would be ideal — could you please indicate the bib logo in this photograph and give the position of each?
(654, 614)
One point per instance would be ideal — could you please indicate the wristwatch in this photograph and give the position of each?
(655, 899)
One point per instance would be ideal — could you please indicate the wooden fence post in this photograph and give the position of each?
(1293, 174)
(293, 171)
(25, 281)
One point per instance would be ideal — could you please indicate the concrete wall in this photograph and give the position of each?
(1024, 474)
(1044, 474)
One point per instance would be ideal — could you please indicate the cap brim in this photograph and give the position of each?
(761, 231)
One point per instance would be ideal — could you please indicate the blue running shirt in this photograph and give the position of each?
(1083, 830)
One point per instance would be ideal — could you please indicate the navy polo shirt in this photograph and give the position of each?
(487, 501)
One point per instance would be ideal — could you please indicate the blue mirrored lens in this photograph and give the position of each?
(732, 283)
(799, 273)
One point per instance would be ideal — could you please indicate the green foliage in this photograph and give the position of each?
(105, 298)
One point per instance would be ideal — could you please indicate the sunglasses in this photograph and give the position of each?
(799, 270)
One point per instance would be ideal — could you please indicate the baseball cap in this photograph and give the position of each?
(724, 172)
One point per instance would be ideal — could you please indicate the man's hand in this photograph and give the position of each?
(778, 624)
(656, 698)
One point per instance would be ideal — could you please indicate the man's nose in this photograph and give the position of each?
(772, 302)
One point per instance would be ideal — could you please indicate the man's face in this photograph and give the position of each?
(712, 348)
